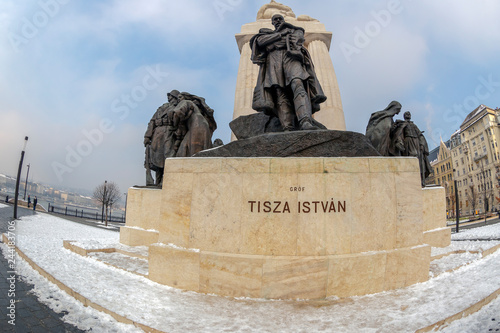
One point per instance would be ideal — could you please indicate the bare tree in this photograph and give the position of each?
(472, 196)
(107, 194)
(453, 200)
(485, 190)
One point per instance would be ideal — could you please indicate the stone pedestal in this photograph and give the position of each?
(285, 228)
(436, 233)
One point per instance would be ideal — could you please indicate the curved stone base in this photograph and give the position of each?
(288, 277)
(286, 228)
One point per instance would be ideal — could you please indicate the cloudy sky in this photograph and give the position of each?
(83, 78)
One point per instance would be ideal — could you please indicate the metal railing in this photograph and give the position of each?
(81, 213)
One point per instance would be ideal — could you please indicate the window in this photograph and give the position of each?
(482, 138)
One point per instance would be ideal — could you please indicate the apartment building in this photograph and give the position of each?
(442, 174)
(475, 159)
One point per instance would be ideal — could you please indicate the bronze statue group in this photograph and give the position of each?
(398, 138)
(287, 88)
(180, 128)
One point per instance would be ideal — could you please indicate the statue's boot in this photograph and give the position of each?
(159, 177)
(149, 178)
(303, 107)
(286, 113)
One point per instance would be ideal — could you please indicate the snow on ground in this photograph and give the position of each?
(488, 232)
(130, 264)
(486, 320)
(469, 246)
(84, 318)
(92, 244)
(3, 206)
(451, 262)
(41, 236)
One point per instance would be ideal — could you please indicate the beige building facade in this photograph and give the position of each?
(442, 168)
(476, 161)
(317, 41)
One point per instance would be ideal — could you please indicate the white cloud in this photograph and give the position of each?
(66, 79)
(468, 27)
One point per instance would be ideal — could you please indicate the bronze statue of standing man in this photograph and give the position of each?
(410, 141)
(159, 139)
(287, 86)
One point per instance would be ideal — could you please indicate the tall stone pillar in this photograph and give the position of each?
(245, 83)
(331, 114)
(317, 41)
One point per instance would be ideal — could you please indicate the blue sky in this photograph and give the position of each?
(84, 77)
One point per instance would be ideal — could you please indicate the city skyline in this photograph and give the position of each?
(82, 80)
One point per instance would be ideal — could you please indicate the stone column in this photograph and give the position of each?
(331, 114)
(245, 84)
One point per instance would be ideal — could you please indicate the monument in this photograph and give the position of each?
(317, 41)
(400, 138)
(296, 212)
(180, 128)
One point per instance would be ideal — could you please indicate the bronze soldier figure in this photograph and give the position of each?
(287, 86)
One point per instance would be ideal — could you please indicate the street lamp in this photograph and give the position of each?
(126, 199)
(19, 176)
(26, 184)
(103, 201)
(456, 201)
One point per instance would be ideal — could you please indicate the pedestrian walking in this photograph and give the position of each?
(34, 203)
(29, 201)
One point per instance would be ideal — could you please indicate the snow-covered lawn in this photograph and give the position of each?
(41, 237)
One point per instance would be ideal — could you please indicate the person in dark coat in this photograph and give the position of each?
(29, 201)
(380, 127)
(287, 86)
(410, 141)
(34, 203)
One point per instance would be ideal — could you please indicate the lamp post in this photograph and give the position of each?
(26, 184)
(103, 201)
(126, 198)
(457, 214)
(19, 176)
